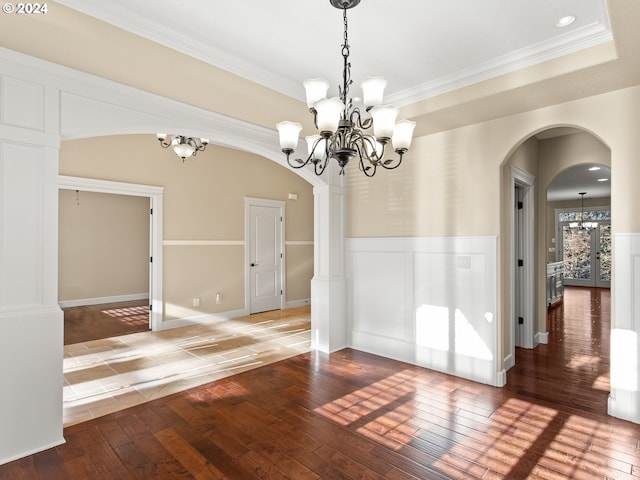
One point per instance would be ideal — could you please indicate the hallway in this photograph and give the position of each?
(572, 370)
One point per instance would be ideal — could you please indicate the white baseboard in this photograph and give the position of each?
(509, 361)
(33, 451)
(541, 337)
(297, 303)
(99, 300)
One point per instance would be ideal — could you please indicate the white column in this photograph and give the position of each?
(624, 399)
(31, 323)
(329, 285)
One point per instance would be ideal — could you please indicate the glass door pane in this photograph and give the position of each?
(576, 255)
(604, 256)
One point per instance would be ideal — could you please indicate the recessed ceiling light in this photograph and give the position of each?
(593, 169)
(603, 179)
(565, 21)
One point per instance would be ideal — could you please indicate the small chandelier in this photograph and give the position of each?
(183, 146)
(582, 225)
(342, 126)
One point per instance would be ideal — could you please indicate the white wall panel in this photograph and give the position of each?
(624, 400)
(21, 242)
(22, 104)
(427, 301)
(31, 404)
(31, 322)
(378, 306)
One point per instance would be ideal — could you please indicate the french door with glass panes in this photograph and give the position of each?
(585, 247)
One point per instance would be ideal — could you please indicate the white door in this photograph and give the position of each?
(586, 253)
(265, 256)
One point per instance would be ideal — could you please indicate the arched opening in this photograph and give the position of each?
(552, 165)
(202, 250)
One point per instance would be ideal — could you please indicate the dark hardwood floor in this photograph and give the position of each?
(94, 322)
(352, 415)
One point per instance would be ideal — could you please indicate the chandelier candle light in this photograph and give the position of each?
(183, 146)
(341, 124)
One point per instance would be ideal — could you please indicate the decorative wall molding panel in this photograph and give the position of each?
(427, 301)
(31, 415)
(624, 400)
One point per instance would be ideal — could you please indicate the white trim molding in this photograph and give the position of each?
(203, 243)
(155, 195)
(526, 181)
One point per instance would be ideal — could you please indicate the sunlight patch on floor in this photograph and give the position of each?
(104, 376)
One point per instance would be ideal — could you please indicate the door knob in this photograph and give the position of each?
(254, 264)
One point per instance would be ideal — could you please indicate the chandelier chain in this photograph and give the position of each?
(346, 71)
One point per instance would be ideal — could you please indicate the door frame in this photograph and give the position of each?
(155, 195)
(262, 202)
(526, 182)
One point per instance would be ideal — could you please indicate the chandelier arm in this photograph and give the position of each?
(322, 165)
(300, 163)
(369, 170)
(374, 157)
(356, 118)
(389, 163)
(315, 117)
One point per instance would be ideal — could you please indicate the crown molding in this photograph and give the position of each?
(142, 26)
(573, 41)
(580, 39)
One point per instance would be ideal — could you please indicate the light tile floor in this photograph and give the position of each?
(105, 376)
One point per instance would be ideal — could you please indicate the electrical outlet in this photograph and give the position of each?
(196, 302)
(218, 297)
(463, 261)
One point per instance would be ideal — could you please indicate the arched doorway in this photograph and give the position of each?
(531, 169)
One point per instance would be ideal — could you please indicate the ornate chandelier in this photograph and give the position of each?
(342, 125)
(183, 146)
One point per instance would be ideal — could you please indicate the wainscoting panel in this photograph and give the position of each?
(379, 301)
(624, 400)
(21, 238)
(427, 301)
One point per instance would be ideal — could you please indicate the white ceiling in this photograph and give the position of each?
(422, 47)
(569, 183)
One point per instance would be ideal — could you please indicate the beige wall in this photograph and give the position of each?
(437, 191)
(204, 201)
(451, 182)
(103, 245)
